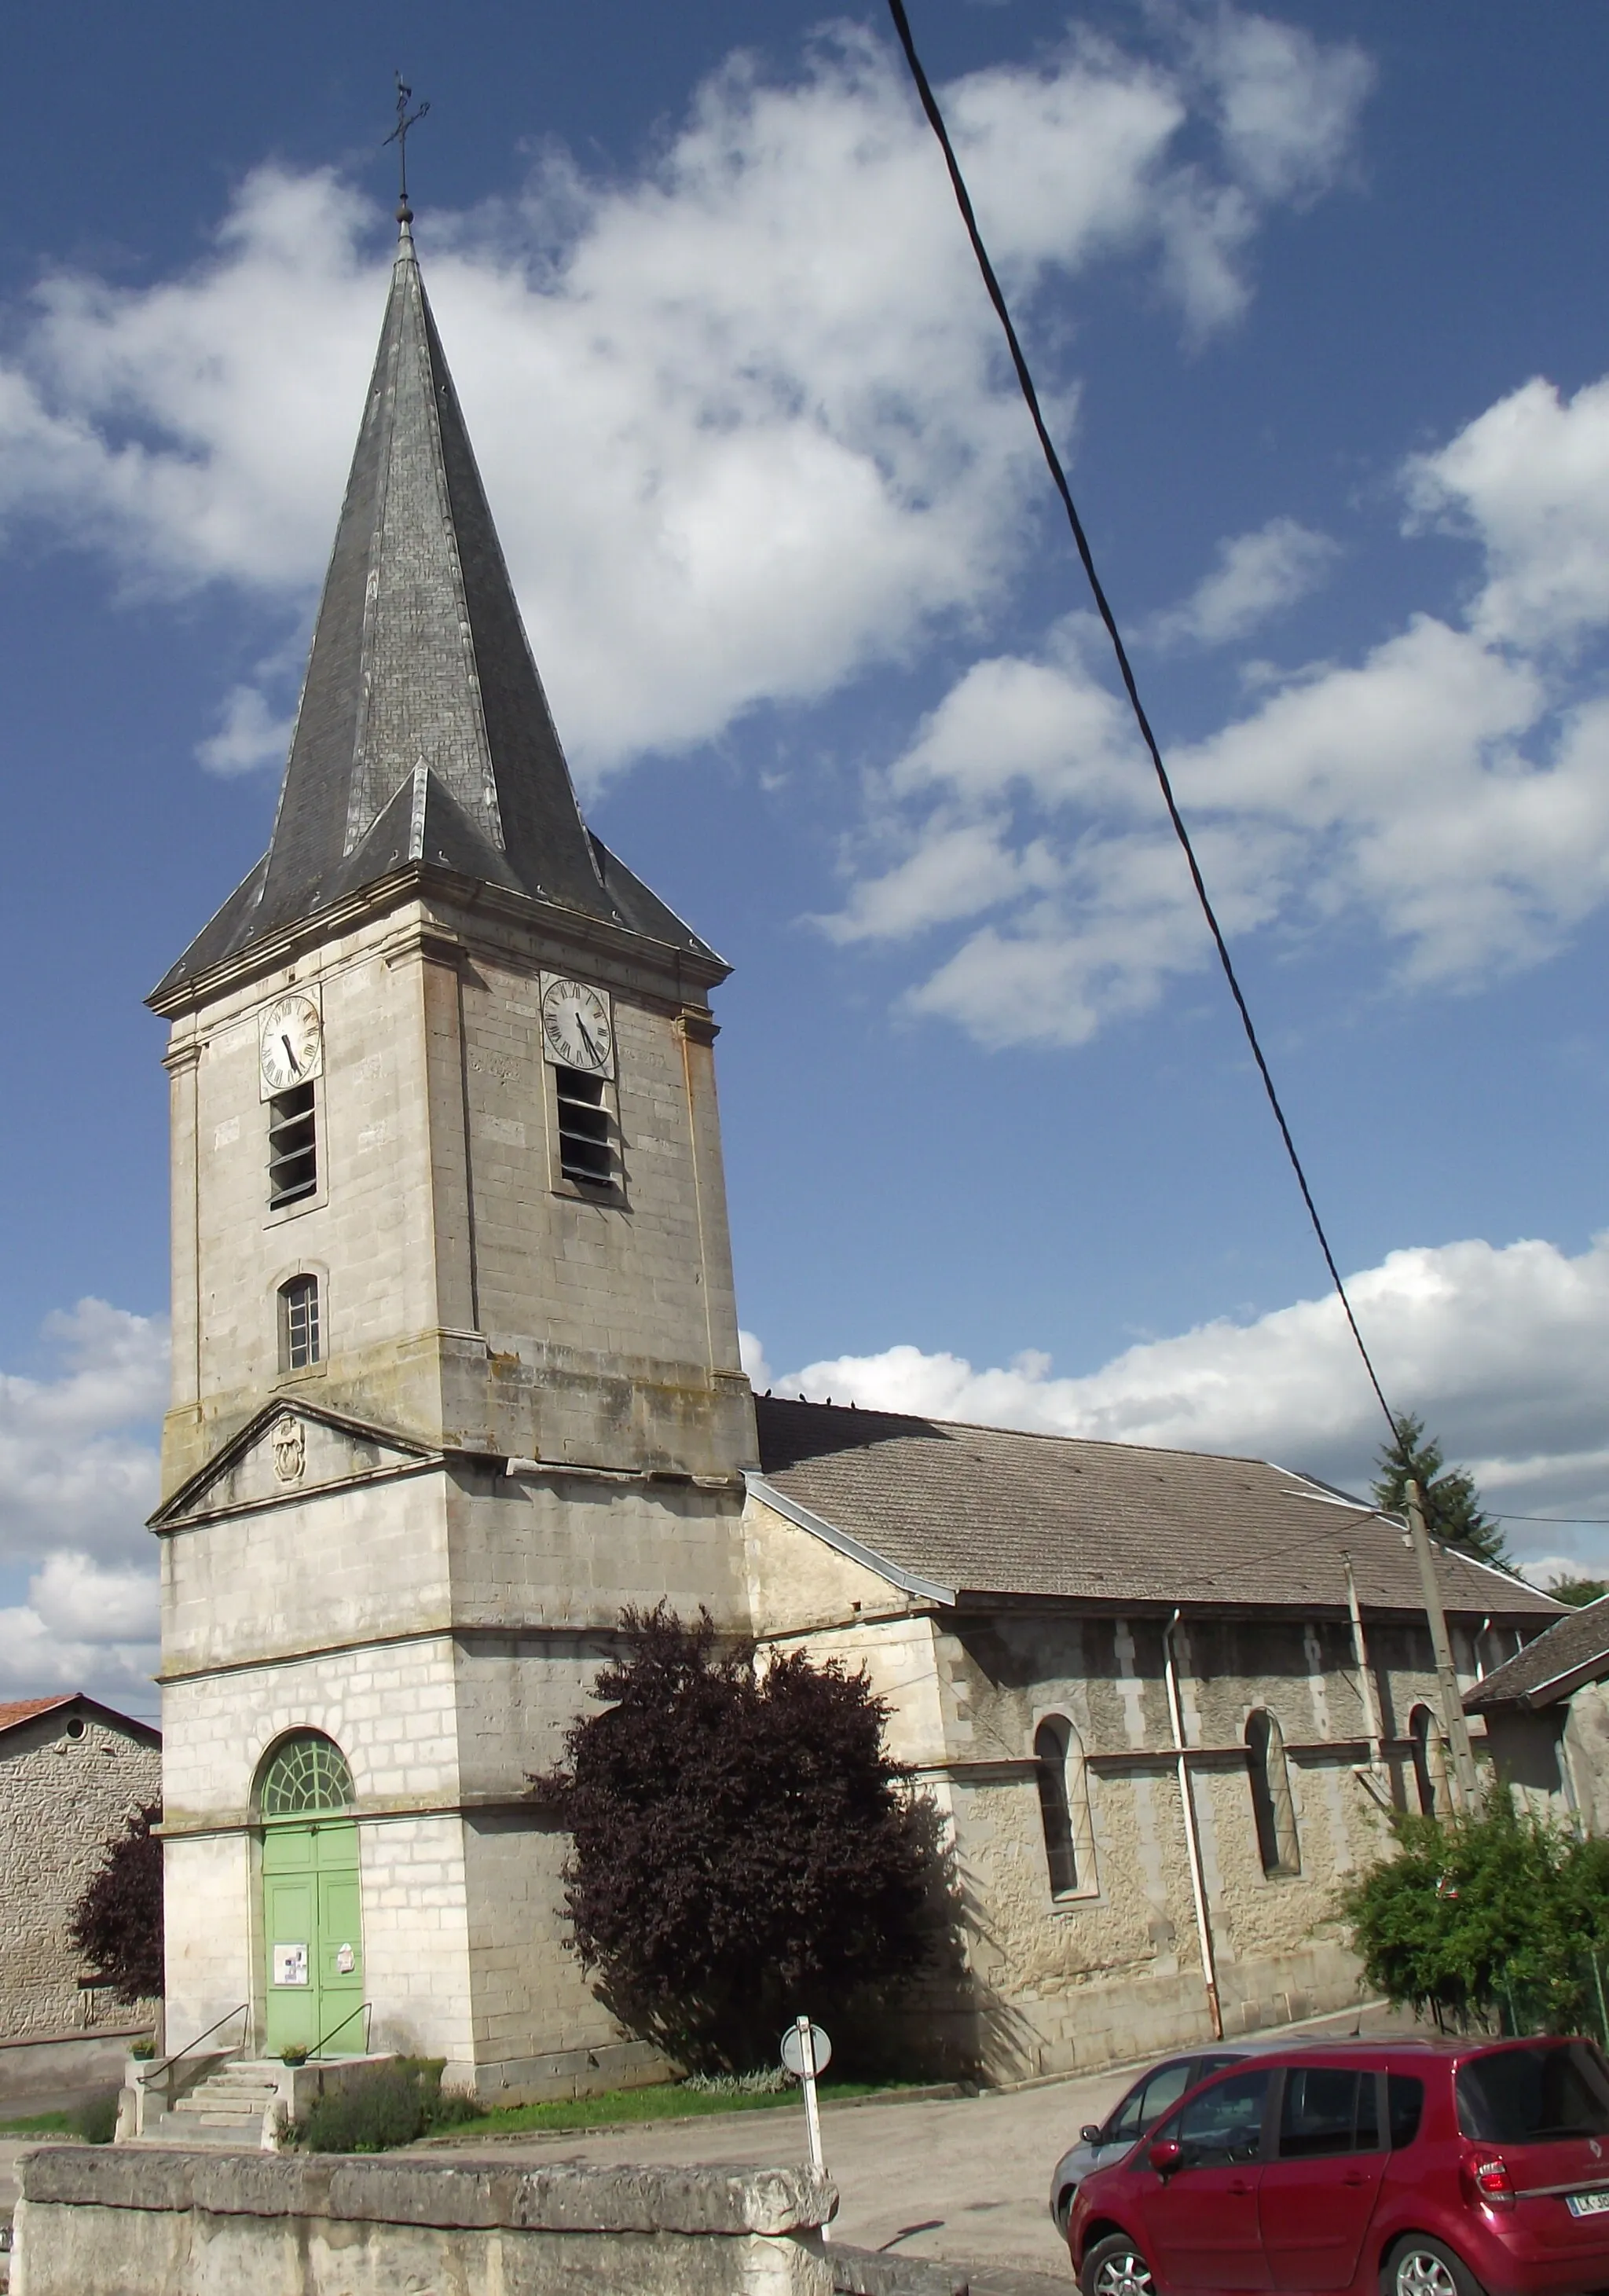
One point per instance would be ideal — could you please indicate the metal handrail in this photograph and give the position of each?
(243, 2010)
(363, 2009)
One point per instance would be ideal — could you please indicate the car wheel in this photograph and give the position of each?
(1114, 2266)
(1419, 2266)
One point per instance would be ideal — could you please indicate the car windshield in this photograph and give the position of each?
(1535, 2096)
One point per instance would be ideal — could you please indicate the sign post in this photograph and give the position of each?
(805, 2051)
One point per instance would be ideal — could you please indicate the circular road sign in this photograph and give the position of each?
(793, 2055)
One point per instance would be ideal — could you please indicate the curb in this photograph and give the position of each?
(927, 2093)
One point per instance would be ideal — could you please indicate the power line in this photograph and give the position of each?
(1599, 1521)
(930, 105)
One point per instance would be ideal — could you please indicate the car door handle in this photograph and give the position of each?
(1239, 2185)
(1354, 2176)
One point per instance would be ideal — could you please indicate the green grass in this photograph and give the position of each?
(38, 2124)
(668, 2102)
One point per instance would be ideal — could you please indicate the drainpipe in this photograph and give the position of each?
(1371, 1712)
(1191, 1840)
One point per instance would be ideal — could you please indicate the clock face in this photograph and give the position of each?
(292, 1044)
(577, 1030)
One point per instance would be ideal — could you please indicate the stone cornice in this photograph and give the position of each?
(535, 918)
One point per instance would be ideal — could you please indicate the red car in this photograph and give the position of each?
(1380, 2168)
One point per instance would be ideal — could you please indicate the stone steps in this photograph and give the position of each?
(227, 2109)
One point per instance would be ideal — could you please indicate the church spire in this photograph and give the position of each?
(423, 735)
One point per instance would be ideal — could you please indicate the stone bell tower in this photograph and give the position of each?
(455, 1367)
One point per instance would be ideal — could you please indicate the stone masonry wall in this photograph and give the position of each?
(1110, 1970)
(97, 2221)
(62, 1798)
(468, 1292)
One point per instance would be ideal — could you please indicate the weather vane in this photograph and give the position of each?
(400, 137)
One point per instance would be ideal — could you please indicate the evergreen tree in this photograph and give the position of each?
(117, 1923)
(744, 1847)
(1453, 1512)
(1579, 1592)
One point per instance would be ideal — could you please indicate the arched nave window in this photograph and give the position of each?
(1271, 1803)
(1058, 1753)
(1429, 1743)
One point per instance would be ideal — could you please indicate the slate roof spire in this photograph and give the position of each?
(424, 733)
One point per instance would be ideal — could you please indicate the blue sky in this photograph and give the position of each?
(1316, 302)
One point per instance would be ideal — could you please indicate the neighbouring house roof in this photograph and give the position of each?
(424, 737)
(15, 1711)
(1574, 1651)
(987, 1510)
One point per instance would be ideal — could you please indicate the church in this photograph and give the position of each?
(456, 1378)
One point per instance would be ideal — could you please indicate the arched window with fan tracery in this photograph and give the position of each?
(306, 1777)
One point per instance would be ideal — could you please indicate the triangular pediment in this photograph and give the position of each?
(286, 1451)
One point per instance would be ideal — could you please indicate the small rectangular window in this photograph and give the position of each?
(585, 1151)
(299, 1337)
(1404, 2102)
(293, 1145)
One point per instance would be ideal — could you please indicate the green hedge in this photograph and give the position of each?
(383, 2106)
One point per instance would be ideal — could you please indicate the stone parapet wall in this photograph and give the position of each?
(101, 2223)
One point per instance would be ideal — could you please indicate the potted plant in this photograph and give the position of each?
(144, 2050)
(295, 2054)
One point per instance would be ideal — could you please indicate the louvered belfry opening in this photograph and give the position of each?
(586, 1151)
(293, 1145)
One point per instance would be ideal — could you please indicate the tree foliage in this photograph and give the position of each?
(117, 1923)
(1486, 1921)
(745, 1849)
(1453, 1512)
(1579, 1592)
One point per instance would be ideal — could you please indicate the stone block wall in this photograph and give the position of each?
(469, 1293)
(64, 1792)
(95, 2222)
(1111, 1969)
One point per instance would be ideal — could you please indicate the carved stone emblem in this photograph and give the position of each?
(289, 1449)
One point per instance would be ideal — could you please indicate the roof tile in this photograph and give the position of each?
(987, 1510)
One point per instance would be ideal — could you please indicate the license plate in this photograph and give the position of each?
(1587, 2204)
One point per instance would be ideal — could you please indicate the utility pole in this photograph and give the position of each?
(1454, 1720)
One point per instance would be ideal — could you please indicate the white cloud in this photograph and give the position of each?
(1450, 788)
(77, 1478)
(744, 417)
(1287, 106)
(249, 734)
(1257, 576)
(1504, 1350)
(1529, 480)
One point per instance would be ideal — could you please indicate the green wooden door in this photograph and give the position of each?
(312, 1901)
(313, 1936)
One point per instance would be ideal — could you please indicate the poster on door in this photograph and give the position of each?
(290, 1965)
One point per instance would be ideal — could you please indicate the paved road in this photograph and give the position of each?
(963, 2178)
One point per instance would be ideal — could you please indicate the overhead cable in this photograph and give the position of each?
(930, 105)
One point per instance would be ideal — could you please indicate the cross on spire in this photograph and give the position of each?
(400, 137)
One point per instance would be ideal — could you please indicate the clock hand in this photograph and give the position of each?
(289, 1055)
(592, 1050)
